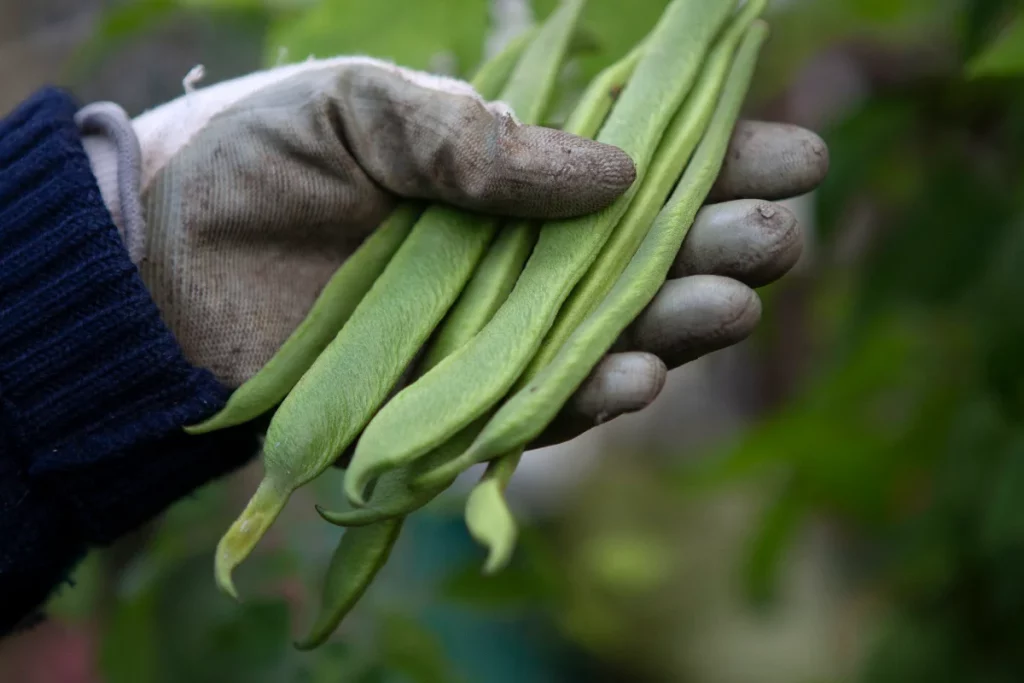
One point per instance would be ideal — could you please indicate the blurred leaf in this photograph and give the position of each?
(998, 292)
(626, 563)
(409, 32)
(246, 4)
(982, 21)
(841, 428)
(769, 542)
(80, 599)
(803, 29)
(932, 548)
(119, 23)
(904, 166)
(129, 649)
(171, 623)
(1004, 56)
(207, 636)
(859, 145)
(513, 588)
(999, 537)
(975, 437)
(917, 650)
(932, 257)
(132, 20)
(250, 644)
(407, 647)
(890, 11)
(129, 18)
(532, 580)
(1002, 524)
(337, 662)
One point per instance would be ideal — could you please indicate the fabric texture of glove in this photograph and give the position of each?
(257, 189)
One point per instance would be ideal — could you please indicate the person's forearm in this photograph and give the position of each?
(94, 389)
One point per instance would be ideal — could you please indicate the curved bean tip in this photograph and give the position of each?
(343, 518)
(310, 642)
(202, 427)
(318, 635)
(222, 571)
(222, 419)
(499, 548)
(217, 421)
(322, 628)
(246, 531)
(499, 553)
(498, 557)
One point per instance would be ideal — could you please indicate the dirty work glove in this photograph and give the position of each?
(238, 202)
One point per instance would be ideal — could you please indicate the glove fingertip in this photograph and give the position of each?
(622, 383)
(556, 175)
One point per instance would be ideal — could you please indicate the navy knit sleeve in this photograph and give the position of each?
(94, 389)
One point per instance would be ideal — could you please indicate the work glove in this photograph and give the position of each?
(238, 202)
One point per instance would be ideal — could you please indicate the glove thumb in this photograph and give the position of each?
(434, 138)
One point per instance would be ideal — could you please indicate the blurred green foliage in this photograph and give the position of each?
(909, 429)
(414, 34)
(906, 430)
(1004, 56)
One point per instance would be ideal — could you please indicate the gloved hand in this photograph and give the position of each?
(238, 202)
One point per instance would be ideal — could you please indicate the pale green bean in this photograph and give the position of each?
(359, 556)
(528, 412)
(468, 383)
(497, 274)
(335, 398)
(364, 551)
(673, 153)
(672, 156)
(488, 517)
(486, 291)
(493, 279)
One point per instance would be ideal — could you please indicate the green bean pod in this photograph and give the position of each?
(343, 291)
(394, 494)
(332, 308)
(484, 518)
(488, 517)
(468, 383)
(668, 164)
(673, 153)
(363, 551)
(525, 415)
(357, 559)
(500, 269)
(487, 290)
(384, 332)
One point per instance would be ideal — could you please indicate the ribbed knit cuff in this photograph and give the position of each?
(94, 389)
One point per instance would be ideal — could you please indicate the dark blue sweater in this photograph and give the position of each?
(94, 389)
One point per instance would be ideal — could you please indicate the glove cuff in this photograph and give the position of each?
(94, 389)
(116, 161)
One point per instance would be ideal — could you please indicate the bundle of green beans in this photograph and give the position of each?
(510, 316)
